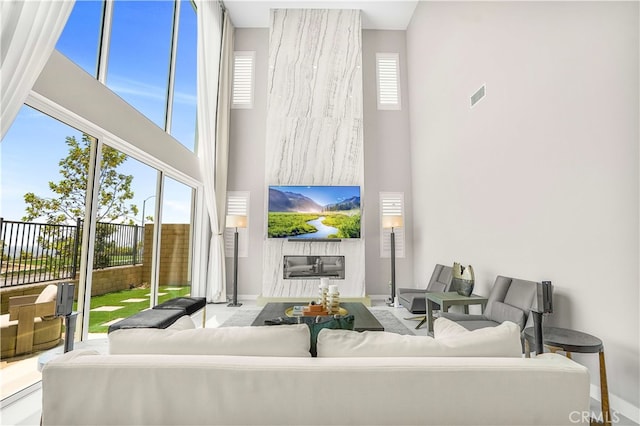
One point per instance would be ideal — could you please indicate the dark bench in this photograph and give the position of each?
(164, 314)
(191, 305)
(151, 318)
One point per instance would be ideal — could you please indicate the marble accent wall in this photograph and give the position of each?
(314, 129)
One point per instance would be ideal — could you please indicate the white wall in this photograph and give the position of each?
(387, 160)
(246, 161)
(540, 179)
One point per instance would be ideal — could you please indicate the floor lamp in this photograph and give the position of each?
(392, 221)
(235, 221)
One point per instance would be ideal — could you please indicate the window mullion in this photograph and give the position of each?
(172, 66)
(105, 41)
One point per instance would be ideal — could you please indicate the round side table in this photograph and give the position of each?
(568, 341)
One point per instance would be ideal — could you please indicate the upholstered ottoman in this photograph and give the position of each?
(191, 305)
(151, 318)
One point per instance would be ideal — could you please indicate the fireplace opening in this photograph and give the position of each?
(313, 267)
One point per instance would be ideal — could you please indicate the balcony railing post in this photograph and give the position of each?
(76, 246)
(135, 244)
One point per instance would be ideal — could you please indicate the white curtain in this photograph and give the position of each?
(29, 32)
(224, 111)
(209, 48)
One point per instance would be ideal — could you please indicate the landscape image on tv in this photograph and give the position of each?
(314, 212)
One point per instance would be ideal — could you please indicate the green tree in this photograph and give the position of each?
(69, 200)
(68, 204)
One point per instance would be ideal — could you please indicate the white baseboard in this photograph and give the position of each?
(617, 404)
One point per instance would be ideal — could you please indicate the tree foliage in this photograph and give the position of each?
(69, 200)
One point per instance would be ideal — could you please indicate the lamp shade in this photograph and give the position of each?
(392, 221)
(236, 221)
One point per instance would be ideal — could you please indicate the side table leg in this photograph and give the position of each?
(604, 391)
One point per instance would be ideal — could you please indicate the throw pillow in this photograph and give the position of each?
(48, 295)
(500, 341)
(283, 341)
(444, 327)
(183, 323)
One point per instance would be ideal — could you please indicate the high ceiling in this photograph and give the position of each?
(376, 14)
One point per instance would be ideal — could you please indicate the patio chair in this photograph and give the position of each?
(31, 324)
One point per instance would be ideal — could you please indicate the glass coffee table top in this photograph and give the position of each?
(364, 319)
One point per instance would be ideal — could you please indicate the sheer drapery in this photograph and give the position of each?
(30, 30)
(210, 18)
(224, 111)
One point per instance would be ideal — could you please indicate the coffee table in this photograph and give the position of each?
(364, 319)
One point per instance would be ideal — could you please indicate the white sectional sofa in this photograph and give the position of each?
(264, 376)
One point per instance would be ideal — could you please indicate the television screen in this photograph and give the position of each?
(314, 212)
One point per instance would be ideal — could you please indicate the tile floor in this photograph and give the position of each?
(25, 408)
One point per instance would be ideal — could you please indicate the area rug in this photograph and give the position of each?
(245, 316)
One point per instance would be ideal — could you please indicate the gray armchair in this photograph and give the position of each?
(511, 299)
(414, 299)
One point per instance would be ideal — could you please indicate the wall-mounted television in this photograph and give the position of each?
(314, 212)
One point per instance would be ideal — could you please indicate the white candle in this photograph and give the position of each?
(324, 282)
(333, 289)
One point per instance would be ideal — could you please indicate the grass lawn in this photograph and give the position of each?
(97, 319)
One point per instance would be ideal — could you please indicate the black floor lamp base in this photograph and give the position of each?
(234, 304)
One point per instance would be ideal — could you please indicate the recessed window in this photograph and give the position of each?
(387, 74)
(391, 204)
(243, 68)
(237, 204)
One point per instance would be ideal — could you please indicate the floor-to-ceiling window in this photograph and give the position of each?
(152, 67)
(44, 182)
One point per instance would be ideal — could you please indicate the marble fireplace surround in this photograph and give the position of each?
(314, 131)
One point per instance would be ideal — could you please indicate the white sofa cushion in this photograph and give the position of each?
(284, 341)
(443, 327)
(183, 323)
(346, 343)
(500, 341)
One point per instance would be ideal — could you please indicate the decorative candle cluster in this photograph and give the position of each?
(333, 300)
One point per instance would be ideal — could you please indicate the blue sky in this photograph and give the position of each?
(323, 195)
(137, 72)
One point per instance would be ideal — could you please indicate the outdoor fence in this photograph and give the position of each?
(38, 252)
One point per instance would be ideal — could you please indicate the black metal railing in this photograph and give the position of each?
(39, 252)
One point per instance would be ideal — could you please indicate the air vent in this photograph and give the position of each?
(475, 98)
